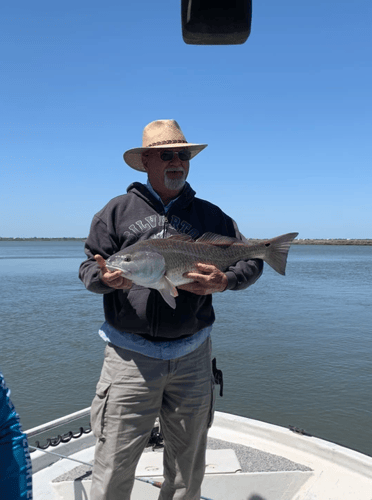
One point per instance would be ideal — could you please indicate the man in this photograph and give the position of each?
(158, 359)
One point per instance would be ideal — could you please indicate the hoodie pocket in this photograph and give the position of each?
(98, 409)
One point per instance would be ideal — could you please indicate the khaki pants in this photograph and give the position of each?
(132, 391)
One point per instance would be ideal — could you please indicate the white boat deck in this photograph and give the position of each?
(246, 460)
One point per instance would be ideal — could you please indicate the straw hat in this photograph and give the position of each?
(160, 134)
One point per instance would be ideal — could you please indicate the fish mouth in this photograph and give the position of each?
(113, 268)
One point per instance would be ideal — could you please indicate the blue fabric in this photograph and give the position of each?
(152, 191)
(166, 350)
(15, 461)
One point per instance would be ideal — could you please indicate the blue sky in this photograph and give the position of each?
(287, 115)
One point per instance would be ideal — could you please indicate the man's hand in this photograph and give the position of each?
(208, 280)
(114, 279)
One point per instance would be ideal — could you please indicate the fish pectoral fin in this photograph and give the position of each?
(218, 240)
(168, 292)
(169, 299)
(169, 285)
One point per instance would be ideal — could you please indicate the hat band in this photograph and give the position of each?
(175, 141)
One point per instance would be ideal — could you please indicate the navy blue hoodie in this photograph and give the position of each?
(138, 215)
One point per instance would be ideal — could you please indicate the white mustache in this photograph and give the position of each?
(174, 169)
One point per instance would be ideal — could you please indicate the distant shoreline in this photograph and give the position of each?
(42, 239)
(336, 241)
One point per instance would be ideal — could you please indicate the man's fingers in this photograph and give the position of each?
(201, 269)
(114, 279)
(100, 261)
(205, 268)
(112, 276)
(206, 279)
(106, 275)
(193, 276)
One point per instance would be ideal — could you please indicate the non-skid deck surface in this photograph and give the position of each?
(250, 460)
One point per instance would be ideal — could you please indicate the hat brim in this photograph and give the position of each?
(133, 157)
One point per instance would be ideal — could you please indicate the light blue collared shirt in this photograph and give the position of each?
(166, 350)
(152, 191)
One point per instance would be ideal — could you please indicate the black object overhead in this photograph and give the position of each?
(216, 22)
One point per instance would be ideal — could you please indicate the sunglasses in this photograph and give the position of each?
(182, 155)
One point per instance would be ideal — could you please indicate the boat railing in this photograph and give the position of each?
(58, 422)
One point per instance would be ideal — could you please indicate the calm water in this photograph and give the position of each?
(295, 350)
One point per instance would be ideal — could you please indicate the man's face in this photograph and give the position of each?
(166, 177)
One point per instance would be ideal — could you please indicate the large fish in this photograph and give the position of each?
(161, 263)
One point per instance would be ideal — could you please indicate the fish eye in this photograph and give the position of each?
(127, 258)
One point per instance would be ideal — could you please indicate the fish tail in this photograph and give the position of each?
(277, 251)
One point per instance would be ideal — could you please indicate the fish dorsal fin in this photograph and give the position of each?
(217, 240)
(180, 237)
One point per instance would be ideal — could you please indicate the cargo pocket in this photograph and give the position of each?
(98, 409)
